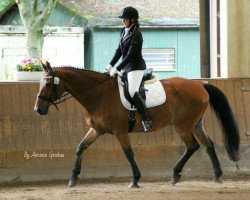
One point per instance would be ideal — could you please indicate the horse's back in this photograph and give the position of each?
(186, 98)
(182, 87)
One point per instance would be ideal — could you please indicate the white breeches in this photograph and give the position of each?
(134, 81)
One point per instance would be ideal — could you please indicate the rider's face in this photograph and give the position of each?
(126, 22)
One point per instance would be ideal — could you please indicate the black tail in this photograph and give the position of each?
(220, 105)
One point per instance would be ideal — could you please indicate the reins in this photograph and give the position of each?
(60, 101)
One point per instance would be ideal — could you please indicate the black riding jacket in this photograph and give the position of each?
(130, 48)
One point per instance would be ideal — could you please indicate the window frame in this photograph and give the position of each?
(171, 67)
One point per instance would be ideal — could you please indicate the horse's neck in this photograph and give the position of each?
(88, 89)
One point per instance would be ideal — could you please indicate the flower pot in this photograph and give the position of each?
(28, 76)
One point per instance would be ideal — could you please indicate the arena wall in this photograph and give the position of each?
(42, 148)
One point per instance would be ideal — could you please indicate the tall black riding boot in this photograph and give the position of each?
(141, 107)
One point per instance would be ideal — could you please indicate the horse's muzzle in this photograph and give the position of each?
(41, 110)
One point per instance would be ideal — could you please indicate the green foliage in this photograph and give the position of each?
(147, 19)
(5, 5)
(29, 67)
(75, 13)
(89, 17)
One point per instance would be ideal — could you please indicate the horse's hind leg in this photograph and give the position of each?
(203, 139)
(192, 146)
(125, 143)
(89, 138)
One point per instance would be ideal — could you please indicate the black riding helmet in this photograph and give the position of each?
(129, 13)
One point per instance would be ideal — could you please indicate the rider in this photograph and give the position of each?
(130, 47)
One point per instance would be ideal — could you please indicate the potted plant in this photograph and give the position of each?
(29, 69)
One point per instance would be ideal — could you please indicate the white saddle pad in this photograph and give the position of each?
(155, 94)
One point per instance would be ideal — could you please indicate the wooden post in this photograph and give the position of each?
(205, 38)
(238, 39)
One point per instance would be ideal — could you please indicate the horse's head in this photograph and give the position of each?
(50, 90)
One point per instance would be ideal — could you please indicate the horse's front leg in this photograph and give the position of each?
(125, 143)
(89, 138)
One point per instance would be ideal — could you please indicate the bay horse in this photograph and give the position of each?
(187, 100)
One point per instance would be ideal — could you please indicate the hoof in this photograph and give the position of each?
(72, 182)
(217, 180)
(133, 185)
(175, 179)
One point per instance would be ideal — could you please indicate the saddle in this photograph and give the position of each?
(142, 91)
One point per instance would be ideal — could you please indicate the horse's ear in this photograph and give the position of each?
(46, 66)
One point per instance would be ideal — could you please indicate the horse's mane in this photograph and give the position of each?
(84, 72)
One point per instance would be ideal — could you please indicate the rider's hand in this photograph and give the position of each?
(108, 67)
(113, 72)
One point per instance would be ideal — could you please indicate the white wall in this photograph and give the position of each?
(63, 47)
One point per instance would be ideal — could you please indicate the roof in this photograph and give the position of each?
(103, 13)
(147, 8)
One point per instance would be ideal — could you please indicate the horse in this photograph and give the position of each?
(184, 108)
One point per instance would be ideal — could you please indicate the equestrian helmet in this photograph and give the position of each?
(129, 13)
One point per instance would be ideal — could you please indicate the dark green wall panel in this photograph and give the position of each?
(186, 43)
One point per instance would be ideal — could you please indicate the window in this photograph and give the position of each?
(160, 59)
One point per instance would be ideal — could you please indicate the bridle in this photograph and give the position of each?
(63, 97)
(50, 99)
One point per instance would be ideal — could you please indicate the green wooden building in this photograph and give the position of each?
(172, 49)
(171, 46)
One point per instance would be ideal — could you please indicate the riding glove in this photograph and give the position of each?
(113, 72)
(108, 67)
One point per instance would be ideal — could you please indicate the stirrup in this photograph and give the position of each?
(146, 125)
